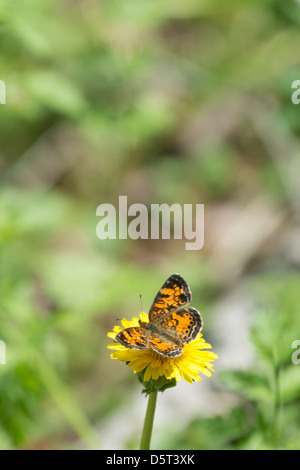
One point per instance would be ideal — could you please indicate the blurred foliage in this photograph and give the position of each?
(164, 101)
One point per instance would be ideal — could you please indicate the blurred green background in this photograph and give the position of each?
(162, 101)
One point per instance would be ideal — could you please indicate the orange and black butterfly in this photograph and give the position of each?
(171, 323)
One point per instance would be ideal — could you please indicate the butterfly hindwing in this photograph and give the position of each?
(183, 324)
(134, 338)
(164, 346)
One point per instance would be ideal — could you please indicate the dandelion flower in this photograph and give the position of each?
(196, 357)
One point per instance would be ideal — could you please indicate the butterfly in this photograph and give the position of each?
(171, 323)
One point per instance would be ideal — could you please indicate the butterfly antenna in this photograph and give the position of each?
(141, 303)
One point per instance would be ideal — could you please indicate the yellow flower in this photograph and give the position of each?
(195, 358)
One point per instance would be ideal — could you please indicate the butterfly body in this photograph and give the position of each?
(148, 326)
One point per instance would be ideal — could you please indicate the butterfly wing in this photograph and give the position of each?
(183, 325)
(134, 338)
(175, 293)
(164, 345)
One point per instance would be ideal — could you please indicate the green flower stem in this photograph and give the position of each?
(148, 423)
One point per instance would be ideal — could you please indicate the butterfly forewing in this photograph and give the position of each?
(175, 293)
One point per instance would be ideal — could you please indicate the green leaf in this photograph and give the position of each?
(290, 383)
(161, 384)
(252, 385)
(56, 92)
